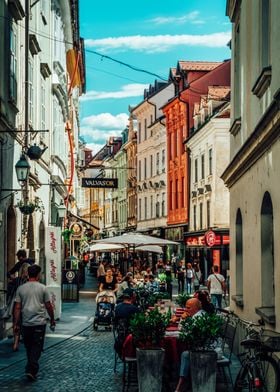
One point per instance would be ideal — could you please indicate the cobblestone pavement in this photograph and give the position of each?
(82, 363)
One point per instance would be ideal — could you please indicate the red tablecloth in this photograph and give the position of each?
(172, 344)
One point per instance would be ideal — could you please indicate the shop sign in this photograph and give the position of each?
(210, 238)
(195, 241)
(99, 182)
(77, 229)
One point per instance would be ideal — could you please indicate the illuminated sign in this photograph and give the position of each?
(99, 182)
(210, 238)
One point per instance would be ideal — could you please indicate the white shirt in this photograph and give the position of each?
(215, 285)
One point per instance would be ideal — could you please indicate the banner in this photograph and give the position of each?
(53, 267)
(53, 256)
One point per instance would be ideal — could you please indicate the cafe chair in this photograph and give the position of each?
(224, 361)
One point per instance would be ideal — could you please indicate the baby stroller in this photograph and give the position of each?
(104, 310)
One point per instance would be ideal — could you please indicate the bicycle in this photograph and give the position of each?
(259, 370)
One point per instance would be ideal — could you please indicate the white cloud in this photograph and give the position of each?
(128, 90)
(97, 129)
(159, 43)
(192, 17)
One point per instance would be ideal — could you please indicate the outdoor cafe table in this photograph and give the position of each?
(171, 343)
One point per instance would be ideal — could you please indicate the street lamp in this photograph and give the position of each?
(22, 169)
(61, 209)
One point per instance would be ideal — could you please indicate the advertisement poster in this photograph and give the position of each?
(53, 266)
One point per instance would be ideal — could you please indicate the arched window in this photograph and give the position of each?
(267, 252)
(239, 253)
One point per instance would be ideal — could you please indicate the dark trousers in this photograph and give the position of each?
(181, 284)
(33, 338)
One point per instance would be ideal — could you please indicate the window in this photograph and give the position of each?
(157, 207)
(140, 209)
(139, 171)
(145, 129)
(13, 66)
(202, 167)
(183, 192)
(210, 158)
(265, 33)
(30, 92)
(151, 206)
(176, 194)
(145, 168)
(267, 252)
(194, 217)
(163, 161)
(145, 208)
(151, 119)
(239, 253)
(237, 74)
(157, 163)
(151, 165)
(163, 205)
(43, 106)
(200, 215)
(139, 132)
(208, 213)
(195, 170)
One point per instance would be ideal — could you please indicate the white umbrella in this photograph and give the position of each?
(149, 248)
(105, 247)
(136, 239)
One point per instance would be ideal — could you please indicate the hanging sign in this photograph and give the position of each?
(99, 182)
(210, 238)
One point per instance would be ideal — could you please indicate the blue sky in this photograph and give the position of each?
(150, 35)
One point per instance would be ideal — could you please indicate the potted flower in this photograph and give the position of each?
(148, 330)
(27, 207)
(200, 335)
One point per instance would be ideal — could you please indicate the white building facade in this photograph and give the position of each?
(253, 173)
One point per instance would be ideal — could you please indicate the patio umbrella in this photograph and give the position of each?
(134, 239)
(105, 247)
(149, 248)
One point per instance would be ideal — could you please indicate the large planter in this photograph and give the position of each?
(150, 369)
(203, 371)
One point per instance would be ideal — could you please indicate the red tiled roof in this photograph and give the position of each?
(218, 92)
(198, 65)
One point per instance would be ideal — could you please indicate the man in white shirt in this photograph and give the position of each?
(216, 287)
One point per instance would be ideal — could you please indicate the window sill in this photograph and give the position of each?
(267, 313)
(238, 299)
(236, 126)
(263, 82)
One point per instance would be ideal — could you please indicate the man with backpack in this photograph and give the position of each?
(216, 286)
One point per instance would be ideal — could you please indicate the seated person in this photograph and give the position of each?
(126, 308)
(153, 286)
(123, 312)
(193, 309)
(204, 298)
(127, 282)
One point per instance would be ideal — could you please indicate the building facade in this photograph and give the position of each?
(253, 173)
(208, 149)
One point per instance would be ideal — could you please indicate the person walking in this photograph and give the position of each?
(32, 299)
(216, 286)
(189, 278)
(181, 277)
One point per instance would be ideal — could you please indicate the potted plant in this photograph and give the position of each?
(66, 234)
(200, 334)
(148, 329)
(27, 207)
(182, 299)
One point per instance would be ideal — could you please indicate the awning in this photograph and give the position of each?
(82, 220)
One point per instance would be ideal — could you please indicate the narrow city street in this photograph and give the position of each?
(81, 363)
